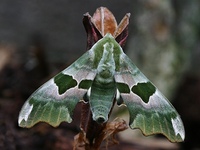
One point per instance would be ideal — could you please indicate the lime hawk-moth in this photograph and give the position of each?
(99, 76)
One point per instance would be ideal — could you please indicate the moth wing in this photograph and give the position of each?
(56, 99)
(149, 110)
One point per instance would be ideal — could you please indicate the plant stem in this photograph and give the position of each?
(92, 129)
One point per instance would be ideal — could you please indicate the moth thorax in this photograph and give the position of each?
(106, 73)
(104, 78)
(106, 67)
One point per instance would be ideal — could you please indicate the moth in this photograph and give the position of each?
(99, 76)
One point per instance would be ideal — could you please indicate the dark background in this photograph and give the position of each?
(40, 38)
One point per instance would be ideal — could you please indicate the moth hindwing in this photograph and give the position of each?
(102, 74)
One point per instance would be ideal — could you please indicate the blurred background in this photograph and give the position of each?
(40, 38)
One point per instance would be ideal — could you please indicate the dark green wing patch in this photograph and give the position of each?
(144, 90)
(85, 84)
(64, 82)
(122, 87)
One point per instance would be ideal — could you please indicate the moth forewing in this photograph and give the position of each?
(55, 100)
(149, 110)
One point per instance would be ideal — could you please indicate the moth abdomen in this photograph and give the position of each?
(100, 119)
(101, 100)
(100, 114)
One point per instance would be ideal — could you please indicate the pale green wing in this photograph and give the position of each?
(149, 110)
(55, 100)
